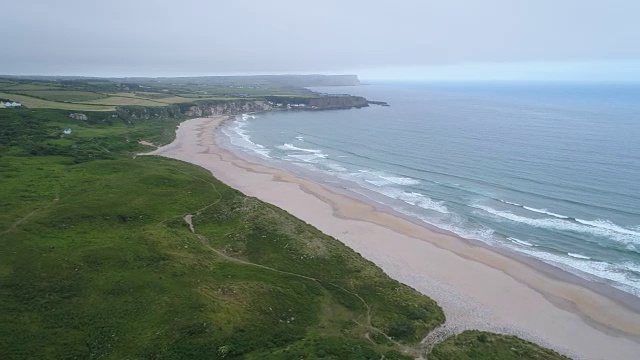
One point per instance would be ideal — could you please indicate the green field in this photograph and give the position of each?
(12, 86)
(63, 95)
(98, 262)
(6, 83)
(125, 101)
(106, 94)
(32, 102)
(60, 98)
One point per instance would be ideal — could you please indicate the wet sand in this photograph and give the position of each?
(477, 286)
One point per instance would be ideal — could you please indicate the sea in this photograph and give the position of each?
(548, 170)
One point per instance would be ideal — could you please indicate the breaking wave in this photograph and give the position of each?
(597, 228)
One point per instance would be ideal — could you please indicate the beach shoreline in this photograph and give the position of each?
(478, 286)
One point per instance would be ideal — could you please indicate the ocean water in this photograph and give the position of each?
(551, 171)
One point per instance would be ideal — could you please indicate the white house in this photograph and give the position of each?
(12, 104)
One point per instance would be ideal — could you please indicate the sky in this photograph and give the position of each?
(406, 39)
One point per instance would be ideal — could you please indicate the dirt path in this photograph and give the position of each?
(144, 142)
(19, 221)
(15, 224)
(188, 219)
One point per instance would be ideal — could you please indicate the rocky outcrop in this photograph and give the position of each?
(325, 102)
(78, 116)
(232, 107)
(337, 102)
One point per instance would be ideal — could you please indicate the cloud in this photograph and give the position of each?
(162, 37)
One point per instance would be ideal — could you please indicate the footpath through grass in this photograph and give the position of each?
(98, 261)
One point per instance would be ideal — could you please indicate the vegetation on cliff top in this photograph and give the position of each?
(473, 345)
(98, 261)
(93, 94)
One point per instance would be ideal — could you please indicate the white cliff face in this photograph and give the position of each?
(193, 110)
(204, 108)
(228, 108)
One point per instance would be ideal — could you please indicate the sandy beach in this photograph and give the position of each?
(477, 287)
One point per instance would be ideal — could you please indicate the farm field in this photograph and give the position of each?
(62, 95)
(32, 102)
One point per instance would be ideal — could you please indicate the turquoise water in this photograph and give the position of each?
(549, 170)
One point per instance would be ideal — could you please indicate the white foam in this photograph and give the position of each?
(578, 256)
(606, 224)
(401, 180)
(414, 198)
(238, 136)
(617, 273)
(307, 158)
(288, 146)
(632, 267)
(390, 178)
(610, 232)
(546, 212)
(319, 159)
(520, 242)
(378, 182)
(486, 235)
(333, 166)
(539, 211)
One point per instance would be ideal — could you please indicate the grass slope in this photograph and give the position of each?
(98, 262)
(473, 344)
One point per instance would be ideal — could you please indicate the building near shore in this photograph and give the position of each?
(11, 104)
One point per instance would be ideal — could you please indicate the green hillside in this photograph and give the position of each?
(99, 262)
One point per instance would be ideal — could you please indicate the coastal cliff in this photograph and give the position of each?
(197, 109)
(230, 107)
(326, 102)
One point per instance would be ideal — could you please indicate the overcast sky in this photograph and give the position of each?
(384, 39)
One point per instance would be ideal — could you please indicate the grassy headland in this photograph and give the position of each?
(99, 262)
(473, 344)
